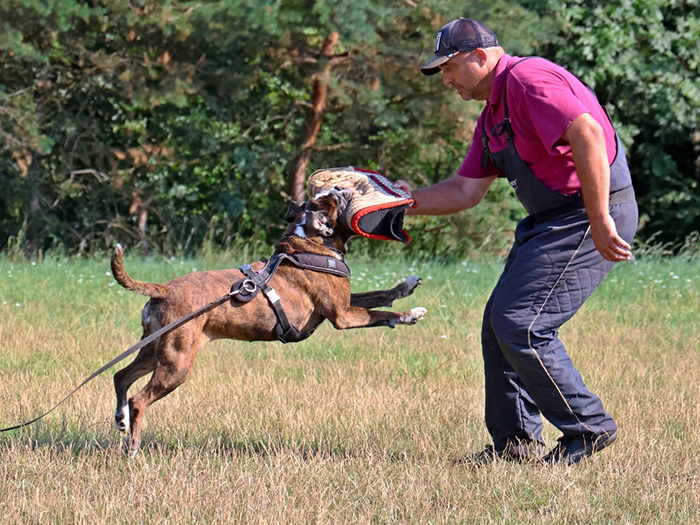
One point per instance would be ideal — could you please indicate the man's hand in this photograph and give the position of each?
(403, 186)
(610, 245)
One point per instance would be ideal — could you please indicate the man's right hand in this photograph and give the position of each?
(403, 186)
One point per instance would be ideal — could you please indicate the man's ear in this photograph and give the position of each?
(481, 55)
(295, 207)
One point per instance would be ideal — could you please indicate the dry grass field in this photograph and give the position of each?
(363, 426)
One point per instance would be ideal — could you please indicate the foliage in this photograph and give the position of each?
(171, 125)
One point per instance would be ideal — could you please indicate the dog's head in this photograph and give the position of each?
(320, 216)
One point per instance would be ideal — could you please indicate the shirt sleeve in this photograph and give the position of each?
(471, 165)
(549, 95)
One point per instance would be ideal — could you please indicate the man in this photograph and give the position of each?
(544, 130)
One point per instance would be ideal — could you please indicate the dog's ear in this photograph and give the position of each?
(295, 207)
(328, 203)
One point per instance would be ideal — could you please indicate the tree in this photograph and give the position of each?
(172, 124)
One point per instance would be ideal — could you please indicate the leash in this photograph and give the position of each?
(248, 286)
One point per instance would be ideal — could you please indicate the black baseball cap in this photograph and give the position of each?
(463, 34)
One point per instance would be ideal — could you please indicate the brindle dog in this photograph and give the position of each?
(308, 298)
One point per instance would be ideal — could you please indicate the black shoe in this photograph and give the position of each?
(572, 449)
(520, 451)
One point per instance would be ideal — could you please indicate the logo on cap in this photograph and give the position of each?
(437, 42)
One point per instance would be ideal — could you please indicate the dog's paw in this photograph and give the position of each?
(412, 282)
(407, 287)
(121, 419)
(414, 315)
(128, 448)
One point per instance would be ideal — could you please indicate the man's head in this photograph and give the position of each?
(466, 51)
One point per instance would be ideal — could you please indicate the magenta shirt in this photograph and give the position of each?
(543, 100)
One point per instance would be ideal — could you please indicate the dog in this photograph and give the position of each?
(308, 297)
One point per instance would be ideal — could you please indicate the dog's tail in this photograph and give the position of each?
(155, 291)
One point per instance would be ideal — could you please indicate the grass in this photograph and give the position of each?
(356, 427)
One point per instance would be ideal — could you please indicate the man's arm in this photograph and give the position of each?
(449, 196)
(587, 142)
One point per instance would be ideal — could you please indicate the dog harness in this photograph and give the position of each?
(247, 288)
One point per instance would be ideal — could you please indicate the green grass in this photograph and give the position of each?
(361, 426)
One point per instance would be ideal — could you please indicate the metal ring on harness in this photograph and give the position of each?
(247, 286)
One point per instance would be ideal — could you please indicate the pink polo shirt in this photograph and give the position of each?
(543, 100)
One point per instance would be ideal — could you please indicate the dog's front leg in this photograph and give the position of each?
(356, 317)
(385, 298)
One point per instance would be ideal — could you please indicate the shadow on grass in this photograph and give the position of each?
(76, 440)
(305, 449)
(100, 439)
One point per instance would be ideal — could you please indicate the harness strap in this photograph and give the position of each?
(285, 331)
(319, 263)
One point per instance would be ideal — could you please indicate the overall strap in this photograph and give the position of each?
(503, 127)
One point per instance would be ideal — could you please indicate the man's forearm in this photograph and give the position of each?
(449, 196)
(591, 162)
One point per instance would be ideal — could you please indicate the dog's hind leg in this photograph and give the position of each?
(385, 298)
(174, 361)
(144, 363)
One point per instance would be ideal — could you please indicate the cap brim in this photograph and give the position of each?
(433, 66)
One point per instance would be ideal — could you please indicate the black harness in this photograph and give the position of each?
(247, 288)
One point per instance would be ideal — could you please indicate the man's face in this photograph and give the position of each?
(465, 73)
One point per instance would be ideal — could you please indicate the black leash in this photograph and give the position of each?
(247, 286)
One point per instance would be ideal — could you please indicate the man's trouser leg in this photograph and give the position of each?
(511, 414)
(551, 270)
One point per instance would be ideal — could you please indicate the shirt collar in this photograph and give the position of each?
(499, 78)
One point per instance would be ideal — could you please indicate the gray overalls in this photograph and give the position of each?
(552, 268)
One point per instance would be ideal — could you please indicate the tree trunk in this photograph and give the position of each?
(313, 122)
(139, 207)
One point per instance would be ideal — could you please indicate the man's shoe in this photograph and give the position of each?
(572, 449)
(520, 451)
